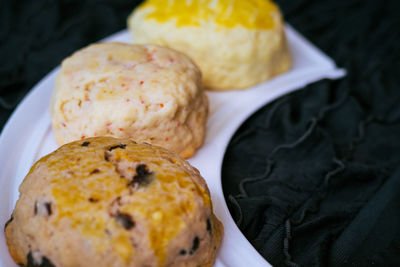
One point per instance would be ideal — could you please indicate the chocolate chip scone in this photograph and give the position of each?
(112, 202)
(147, 93)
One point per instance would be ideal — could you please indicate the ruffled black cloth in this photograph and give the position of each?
(313, 179)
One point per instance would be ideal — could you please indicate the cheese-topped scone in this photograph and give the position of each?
(112, 202)
(236, 43)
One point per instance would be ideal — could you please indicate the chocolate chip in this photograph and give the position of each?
(48, 208)
(106, 156)
(195, 245)
(182, 252)
(142, 177)
(209, 229)
(29, 260)
(142, 170)
(85, 143)
(43, 208)
(45, 262)
(91, 199)
(125, 220)
(122, 146)
(94, 171)
(8, 222)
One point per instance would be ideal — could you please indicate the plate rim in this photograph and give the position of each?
(329, 71)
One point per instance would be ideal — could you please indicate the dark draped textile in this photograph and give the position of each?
(313, 178)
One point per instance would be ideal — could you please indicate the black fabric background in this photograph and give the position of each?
(36, 35)
(313, 179)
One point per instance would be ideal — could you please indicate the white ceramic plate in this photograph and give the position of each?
(27, 136)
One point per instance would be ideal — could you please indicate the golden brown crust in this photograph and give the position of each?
(105, 201)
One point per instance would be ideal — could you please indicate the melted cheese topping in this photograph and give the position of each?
(251, 14)
(72, 192)
(73, 186)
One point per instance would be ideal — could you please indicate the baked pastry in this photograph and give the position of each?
(236, 43)
(147, 93)
(112, 202)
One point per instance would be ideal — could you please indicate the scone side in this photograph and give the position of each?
(14, 249)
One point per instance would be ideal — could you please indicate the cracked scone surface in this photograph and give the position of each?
(112, 202)
(236, 43)
(147, 93)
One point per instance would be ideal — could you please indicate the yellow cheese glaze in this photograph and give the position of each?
(72, 201)
(72, 188)
(250, 14)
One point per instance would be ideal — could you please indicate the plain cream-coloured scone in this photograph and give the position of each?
(236, 43)
(144, 92)
(104, 201)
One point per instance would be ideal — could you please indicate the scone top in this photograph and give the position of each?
(236, 43)
(250, 14)
(133, 183)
